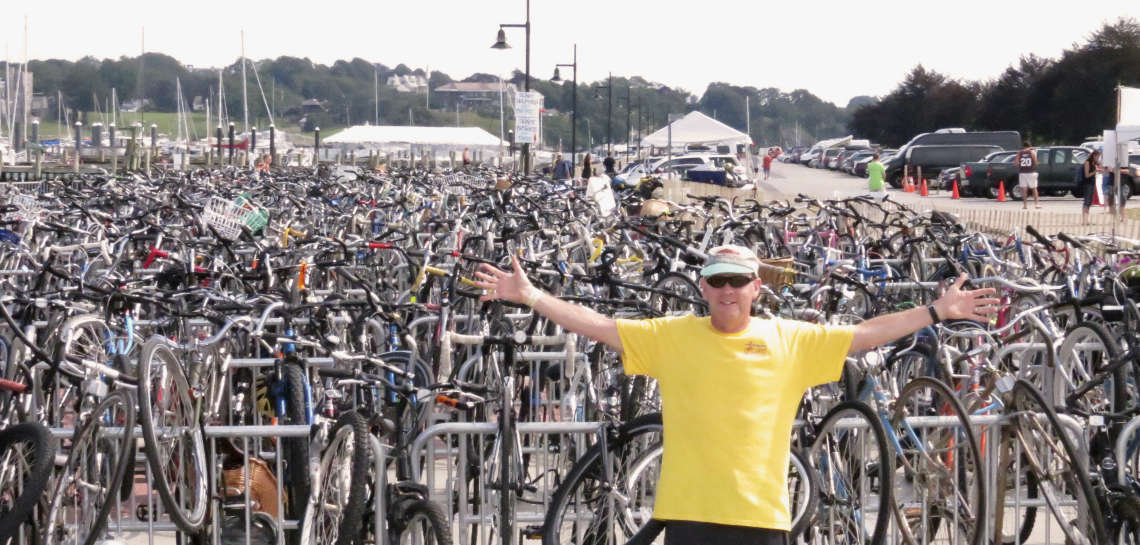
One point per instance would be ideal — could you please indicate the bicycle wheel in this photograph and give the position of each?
(850, 453)
(1060, 468)
(675, 294)
(416, 521)
(803, 493)
(27, 452)
(89, 484)
(589, 509)
(335, 512)
(172, 437)
(941, 494)
(1087, 349)
(295, 450)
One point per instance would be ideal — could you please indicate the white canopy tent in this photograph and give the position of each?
(1115, 152)
(697, 128)
(1128, 114)
(381, 135)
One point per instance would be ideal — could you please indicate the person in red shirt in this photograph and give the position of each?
(767, 165)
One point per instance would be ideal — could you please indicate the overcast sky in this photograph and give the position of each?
(836, 50)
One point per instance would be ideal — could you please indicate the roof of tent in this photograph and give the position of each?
(395, 134)
(1128, 124)
(697, 128)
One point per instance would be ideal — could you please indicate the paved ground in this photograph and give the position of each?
(790, 179)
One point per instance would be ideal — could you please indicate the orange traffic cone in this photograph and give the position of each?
(1096, 196)
(923, 192)
(908, 187)
(1001, 191)
(954, 191)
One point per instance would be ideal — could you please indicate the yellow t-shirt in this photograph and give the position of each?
(728, 405)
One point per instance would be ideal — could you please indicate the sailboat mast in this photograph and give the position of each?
(221, 113)
(244, 96)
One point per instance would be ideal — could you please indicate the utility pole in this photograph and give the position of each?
(628, 113)
(748, 117)
(376, 92)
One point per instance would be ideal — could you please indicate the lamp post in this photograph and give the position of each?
(628, 113)
(501, 43)
(573, 105)
(609, 87)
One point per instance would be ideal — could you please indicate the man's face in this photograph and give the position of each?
(729, 304)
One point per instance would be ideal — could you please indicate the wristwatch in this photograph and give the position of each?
(933, 314)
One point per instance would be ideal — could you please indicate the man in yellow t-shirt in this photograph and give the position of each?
(730, 384)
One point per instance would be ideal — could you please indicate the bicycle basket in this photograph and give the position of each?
(227, 217)
(774, 272)
(261, 482)
(27, 208)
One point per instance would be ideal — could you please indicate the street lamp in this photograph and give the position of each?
(501, 43)
(609, 87)
(573, 106)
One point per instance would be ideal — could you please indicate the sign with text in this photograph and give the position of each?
(527, 106)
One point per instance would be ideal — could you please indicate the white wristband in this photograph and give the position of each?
(532, 296)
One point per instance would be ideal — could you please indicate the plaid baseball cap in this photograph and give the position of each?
(731, 259)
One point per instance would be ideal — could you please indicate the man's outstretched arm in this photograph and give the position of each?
(515, 287)
(955, 304)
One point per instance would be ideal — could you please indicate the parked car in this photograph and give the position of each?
(859, 168)
(947, 178)
(827, 156)
(931, 160)
(1056, 173)
(975, 174)
(680, 164)
(1004, 140)
(808, 156)
(848, 165)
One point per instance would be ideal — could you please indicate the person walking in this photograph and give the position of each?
(562, 168)
(1108, 184)
(1088, 183)
(1026, 161)
(608, 163)
(876, 174)
(730, 384)
(767, 164)
(587, 171)
(466, 158)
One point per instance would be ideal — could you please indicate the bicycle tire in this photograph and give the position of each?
(882, 468)
(922, 471)
(419, 519)
(587, 472)
(111, 486)
(1111, 395)
(349, 446)
(680, 285)
(295, 450)
(34, 480)
(157, 361)
(803, 502)
(1027, 399)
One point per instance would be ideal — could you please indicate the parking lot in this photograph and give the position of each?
(788, 179)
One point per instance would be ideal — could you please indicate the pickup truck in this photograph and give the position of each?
(975, 174)
(1056, 173)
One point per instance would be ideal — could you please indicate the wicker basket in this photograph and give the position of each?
(776, 277)
(263, 485)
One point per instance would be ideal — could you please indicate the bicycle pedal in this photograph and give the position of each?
(532, 532)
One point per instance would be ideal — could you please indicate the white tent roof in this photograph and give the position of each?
(1128, 126)
(395, 134)
(697, 128)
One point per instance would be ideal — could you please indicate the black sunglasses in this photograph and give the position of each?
(736, 281)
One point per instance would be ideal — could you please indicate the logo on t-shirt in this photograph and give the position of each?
(756, 348)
